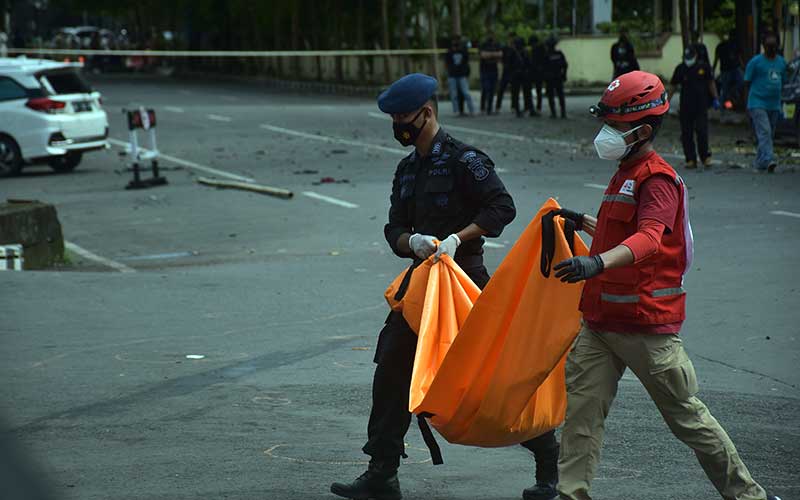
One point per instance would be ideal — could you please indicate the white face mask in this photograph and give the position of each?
(610, 143)
(689, 62)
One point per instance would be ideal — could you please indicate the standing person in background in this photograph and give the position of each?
(729, 56)
(696, 80)
(555, 74)
(505, 80)
(457, 61)
(520, 78)
(764, 79)
(622, 55)
(490, 55)
(538, 55)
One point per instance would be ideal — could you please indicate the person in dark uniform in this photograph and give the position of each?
(538, 54)
(448, 191)
(555, 74)
(520, 78)
(729, 56)
(457, 62)
(696, 80)
(508, 68)
(623, 56)
(490, 55)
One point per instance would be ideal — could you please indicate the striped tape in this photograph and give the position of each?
(227, 53)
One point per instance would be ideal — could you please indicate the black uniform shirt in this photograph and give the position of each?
(444, 192)
(727, 53)
(694, 85)
(457, 61)
(624, 57)
(489, 65)
(555, 66)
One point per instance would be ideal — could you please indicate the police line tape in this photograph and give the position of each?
(227, 53)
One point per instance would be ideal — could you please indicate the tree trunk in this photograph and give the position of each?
(491, 8)
(386, 60)
(401, 15)
(455, 14)
(684, 17)
(692, 20)
(657, 23)
(362, 73)
(432, 37)
(296, 37)
(315, 32)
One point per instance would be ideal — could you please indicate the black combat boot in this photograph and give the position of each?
(378, 483)
(545, 452)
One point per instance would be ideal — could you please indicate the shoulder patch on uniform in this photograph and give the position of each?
(468, 156)
(627, 187)
(478, 169)
(437, 148)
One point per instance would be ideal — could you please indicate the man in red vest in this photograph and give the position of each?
(633, 302)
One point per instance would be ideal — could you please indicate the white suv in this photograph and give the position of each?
(48, 114)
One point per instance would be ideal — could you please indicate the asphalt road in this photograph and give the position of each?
(283, 298)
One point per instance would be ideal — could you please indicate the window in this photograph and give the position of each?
(65, 82)
(10, 90)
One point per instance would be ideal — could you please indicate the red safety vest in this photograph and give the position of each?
(649, 292)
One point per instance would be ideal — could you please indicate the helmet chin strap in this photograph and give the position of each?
(636, 145)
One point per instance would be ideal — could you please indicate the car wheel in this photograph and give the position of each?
(10, 157)
(66, 163)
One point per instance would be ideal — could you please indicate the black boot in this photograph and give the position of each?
(540, 491)
(378, 483)
(545, 452)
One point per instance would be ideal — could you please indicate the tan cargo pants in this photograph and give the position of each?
(594, 367)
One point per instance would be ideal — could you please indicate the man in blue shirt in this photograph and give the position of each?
(764, 77)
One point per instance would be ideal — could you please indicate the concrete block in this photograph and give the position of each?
(33, 225)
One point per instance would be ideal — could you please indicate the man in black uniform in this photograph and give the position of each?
(729, 56)
(538, 54)
(555, 74)
(696, 80)
(622, 55)
(520, 78)
(448, 191)
(490, 55)
(508, 69)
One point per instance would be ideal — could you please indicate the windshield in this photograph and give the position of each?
(68, 81)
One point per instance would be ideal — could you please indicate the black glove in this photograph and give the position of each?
(575, 217)
(579, 268)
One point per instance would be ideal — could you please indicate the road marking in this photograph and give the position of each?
(219, 118)
(500, 135)
(595, 186)
(329, 199)
(173, 109)
(333, 140)
(489, 244)
(72, 247)
(189, 164)
(161, 256)
(787, 214)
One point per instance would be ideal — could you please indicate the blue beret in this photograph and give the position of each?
(407, 94)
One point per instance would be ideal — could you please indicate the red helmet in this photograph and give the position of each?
(631, 97)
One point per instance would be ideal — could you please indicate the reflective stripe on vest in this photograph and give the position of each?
(623, 198)
(666, 292)
(621, 299)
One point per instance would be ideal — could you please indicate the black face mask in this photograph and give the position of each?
(407, 133)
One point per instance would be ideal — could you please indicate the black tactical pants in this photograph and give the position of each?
(390, 419)
(521, 82)
(694, 122)
(505, 81)
(556, 88)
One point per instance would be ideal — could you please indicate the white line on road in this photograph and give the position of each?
(72, 247)
(500, 135)
(333, 140)
(173, 109)
(329, 199)
(489, 244)
(189, 164)
(595, 186)
(219, 118)
(787, 214)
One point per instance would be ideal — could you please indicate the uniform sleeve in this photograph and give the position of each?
(676, 76)
(658, 201)
(484, 187)
(398, 219)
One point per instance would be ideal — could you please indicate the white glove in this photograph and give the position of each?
(448, 246)
(422, 245)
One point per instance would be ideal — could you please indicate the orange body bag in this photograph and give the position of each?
(489, 366)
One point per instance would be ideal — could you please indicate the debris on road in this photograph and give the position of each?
(331, 180)
(245, 186)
